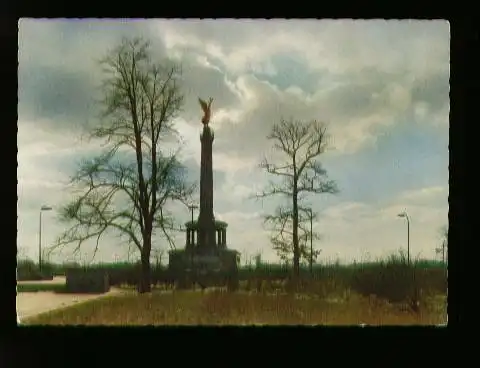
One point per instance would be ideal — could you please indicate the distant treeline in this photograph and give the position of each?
(29, 270)
(391, 278)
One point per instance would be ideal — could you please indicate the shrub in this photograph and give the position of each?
(396, 280)
(27, 270)
(35, 287)
(87, 281)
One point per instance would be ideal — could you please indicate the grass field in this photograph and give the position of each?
(242, 308)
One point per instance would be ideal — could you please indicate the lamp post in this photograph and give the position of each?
(405, 215)
(192, 207)
(43, 208)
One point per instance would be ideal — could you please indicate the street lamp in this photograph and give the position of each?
(405, 215)
(192, 207)
(43, 208)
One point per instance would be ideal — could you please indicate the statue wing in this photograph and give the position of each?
(203, 104)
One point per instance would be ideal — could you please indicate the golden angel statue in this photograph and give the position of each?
(206, 110)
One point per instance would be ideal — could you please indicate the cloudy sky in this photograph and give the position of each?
(381, 86)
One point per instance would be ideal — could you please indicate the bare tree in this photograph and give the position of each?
(125, 189)
(281, 224)
(443, 249)
(300, 174)
(158, 254)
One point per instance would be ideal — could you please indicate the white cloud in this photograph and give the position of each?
(336, 45)
(423, 194)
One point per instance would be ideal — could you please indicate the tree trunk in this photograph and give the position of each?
(296, 250)
(145, 275)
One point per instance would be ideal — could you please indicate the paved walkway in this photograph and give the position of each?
(30, 304)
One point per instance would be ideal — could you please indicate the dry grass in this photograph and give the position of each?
(243, 308)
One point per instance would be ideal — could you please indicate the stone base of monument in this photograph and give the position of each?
(188, 268)
(87, 281)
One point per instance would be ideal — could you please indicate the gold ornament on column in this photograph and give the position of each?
(206, 110)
